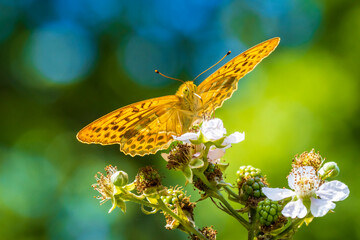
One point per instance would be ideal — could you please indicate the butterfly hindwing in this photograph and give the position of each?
(155, 135)
(220, 85)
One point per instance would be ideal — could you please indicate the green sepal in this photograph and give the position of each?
(196, 163)
(201, 139)
(148, 212)
(308, 220)
(218, 143)
(129, 187)
(281, 229)
(188, 173)
(121, 204)
(222, 166)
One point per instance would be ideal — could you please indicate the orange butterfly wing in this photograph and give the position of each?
(140, 128)
(220, 85)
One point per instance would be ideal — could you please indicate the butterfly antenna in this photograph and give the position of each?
(213, 65)
(169, 77)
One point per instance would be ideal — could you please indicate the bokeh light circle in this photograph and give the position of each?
(61, 52)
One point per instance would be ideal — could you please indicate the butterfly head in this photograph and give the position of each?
(187, 90)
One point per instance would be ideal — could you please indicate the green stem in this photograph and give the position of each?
(187, 225)
(163, 207)
(232, 193)
(252, 221)
(217, 194)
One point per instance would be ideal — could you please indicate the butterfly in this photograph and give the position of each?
(149, 126)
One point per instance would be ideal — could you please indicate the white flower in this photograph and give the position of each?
(212, 130)
(215, 154)
(307, 185)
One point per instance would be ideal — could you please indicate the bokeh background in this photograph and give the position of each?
(64, 63)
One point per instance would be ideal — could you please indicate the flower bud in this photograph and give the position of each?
(120, 178)
(329, 170)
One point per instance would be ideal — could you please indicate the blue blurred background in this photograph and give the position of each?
(64, 63)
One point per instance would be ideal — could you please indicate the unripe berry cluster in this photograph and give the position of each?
(268, 212)
(250, 181)
(175, 196)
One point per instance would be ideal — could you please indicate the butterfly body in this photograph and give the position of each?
(149, 126)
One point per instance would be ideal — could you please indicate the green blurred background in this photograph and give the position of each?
(64, 63)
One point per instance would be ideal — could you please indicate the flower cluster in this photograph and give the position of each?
(272, 213)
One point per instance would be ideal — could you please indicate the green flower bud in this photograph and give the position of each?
(120, 178)
(329, 170)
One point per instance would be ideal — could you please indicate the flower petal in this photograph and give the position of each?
(236, 137)
(186, 137)
(291, 180)
(320, 207)
(333, 191)
(215, 155)
(277, 194)
(213, 129)
(294, 209)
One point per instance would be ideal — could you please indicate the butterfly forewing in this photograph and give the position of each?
(220, 85)
(127, 122)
